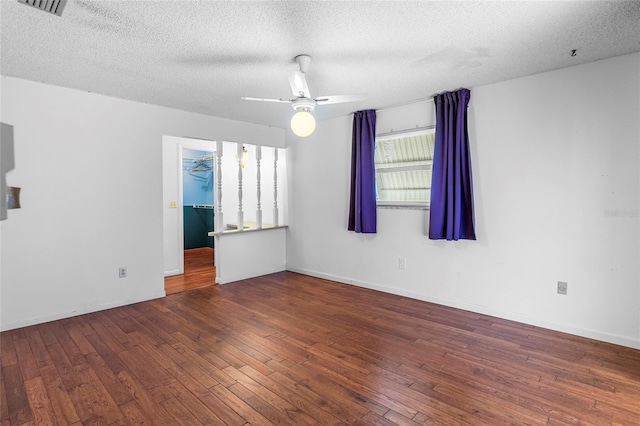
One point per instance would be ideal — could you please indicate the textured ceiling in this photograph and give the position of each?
(202, 56)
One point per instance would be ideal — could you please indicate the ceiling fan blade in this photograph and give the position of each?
(246, 98)
(337, 99)
(299, 86)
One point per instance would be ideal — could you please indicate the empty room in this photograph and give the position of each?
(319, 212)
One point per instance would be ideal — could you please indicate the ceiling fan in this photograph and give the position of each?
(303, 123)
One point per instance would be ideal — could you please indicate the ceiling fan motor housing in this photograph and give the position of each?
(303, 104)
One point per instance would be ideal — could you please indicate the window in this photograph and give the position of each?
(403, 164)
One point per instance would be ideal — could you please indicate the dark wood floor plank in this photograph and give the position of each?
(65, 412)
(164, 333)
(27, 361)
(38, 348)
(292, 349)
(374, 419)
(91, 399)
(77, 335)
(201, 375)
(313, 410)
(41, 406)
(243, 358)
(342, 411)
(17, 401)
(62, 364)
(202, 347)
(362, 388)
(108, 355)
(262, 345)
(400, 420)
(8, 354)
(179, 412)
(157, 356)
(266, 410)
(209, 362)
(108, 378)
(104, 320)
(4, 407)
(105, 337)
(346, 403)
(184, 324)
(148, 373)
(223, 411)
(200, 411)
(46, 333)
(296, 352)
(239, 406)
(327, 354)
(82, 324)
(484, 407)
(495, 386)
(134, 414)
(619, 415)
(593, 392)
(74, 354)
(542, 397)
(124, 322)
(278, 403)
(522, 372)
(144, 399)
(431, 419)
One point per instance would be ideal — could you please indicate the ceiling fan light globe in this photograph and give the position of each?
(303, 124)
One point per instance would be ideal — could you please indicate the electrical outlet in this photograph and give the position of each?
(122, 272)
(173, 204)
(402, 263)
(562, 287)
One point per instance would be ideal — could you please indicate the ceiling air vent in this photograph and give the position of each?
(51, 6)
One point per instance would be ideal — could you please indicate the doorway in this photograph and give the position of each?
(189, 214)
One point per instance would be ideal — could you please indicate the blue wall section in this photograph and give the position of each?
(197, 189)
(197, 185)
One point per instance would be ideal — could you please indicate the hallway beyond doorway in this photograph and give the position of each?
(199, 271)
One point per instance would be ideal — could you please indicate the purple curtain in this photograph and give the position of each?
(362, 203)
(451, 214)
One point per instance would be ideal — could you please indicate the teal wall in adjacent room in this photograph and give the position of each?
(197, 223)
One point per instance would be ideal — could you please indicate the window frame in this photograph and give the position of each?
(398, 204)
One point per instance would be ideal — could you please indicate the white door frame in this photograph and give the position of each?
(184, 143)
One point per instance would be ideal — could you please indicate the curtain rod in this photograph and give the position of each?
(415, 101)
(418, 101)
(399, 132)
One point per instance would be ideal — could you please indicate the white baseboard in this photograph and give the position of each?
(480, 309)
(245, 276)
(76, 312)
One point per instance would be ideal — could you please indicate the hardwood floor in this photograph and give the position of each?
(199, 271)
(291, 349)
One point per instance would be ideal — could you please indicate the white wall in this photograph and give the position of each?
(90, 169)
(552, 154)
(243, 255)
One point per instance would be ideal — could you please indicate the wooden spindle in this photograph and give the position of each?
(240, 213)
(258, 189)
(219, 223)
(275, 187)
